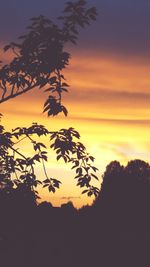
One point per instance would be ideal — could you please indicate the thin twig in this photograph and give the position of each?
(2, 100)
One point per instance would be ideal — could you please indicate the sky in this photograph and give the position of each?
(109, 82)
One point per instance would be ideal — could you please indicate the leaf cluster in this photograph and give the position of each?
(18, 171)
(40, 56)
(39, 60)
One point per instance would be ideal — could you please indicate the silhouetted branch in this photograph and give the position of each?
(40, 57)
(13, 95)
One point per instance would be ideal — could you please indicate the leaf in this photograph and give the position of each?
(49, 89)
(85, 191)
(44, 157)
(59, 156)
(45, 185)
(93, 175)
(94, 168)
(46, 181)
(91, 158)
(90, 193)
(64, 89)
(46, 108)
(79, 171)
(65, 85)
(65, 111)
(51, 189)
(42, 145)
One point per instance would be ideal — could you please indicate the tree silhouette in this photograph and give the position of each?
(115, 230)
(39, 59)
(131, 178)
(125, 194)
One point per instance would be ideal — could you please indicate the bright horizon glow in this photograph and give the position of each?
(108, 104)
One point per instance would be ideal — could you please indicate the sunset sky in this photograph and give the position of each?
(109, 77)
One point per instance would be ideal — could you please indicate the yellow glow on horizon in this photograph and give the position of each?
(108, 104)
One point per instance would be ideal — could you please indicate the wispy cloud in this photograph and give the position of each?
(106, 95)
(145, 122)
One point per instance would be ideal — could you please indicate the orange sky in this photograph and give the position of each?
(108, 104)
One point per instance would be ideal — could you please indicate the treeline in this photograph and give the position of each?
(114, 231)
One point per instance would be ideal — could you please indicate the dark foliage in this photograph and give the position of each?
(40, 57)
(17, 171)
(113, 232)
